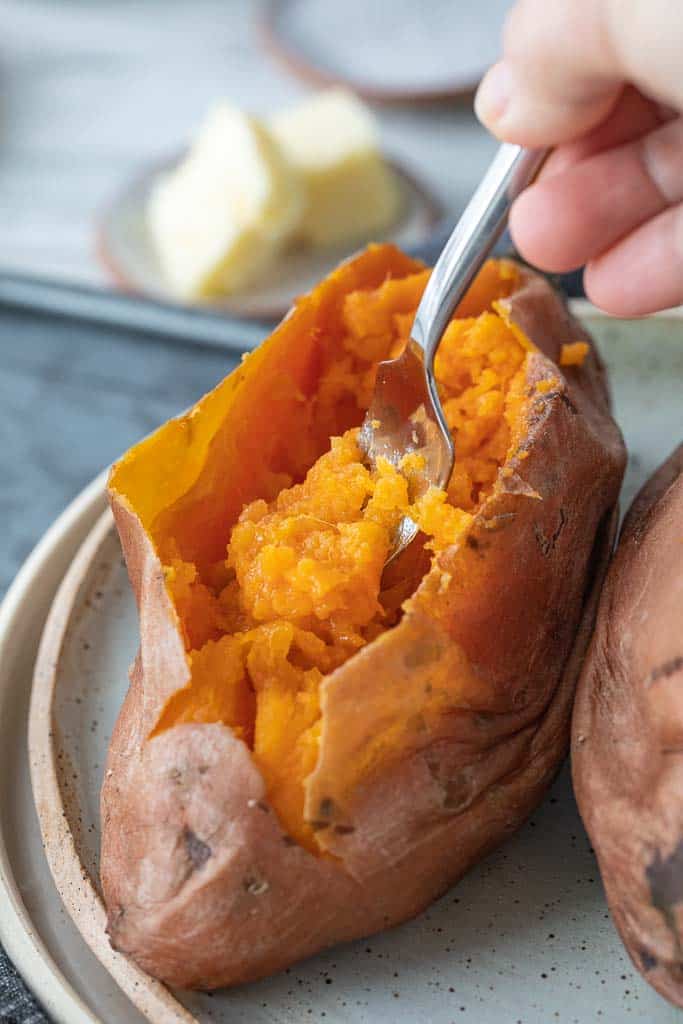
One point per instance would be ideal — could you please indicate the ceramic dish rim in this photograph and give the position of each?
(119, 274)
(18, 934)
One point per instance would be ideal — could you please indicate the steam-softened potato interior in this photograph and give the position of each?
(274, 537)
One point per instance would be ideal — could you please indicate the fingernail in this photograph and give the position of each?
(493, 94)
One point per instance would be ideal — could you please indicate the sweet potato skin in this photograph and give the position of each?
(202, 885)
(627, 734)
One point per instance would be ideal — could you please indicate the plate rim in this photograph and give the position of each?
(298, 63)
(149, 996)
(18, 935)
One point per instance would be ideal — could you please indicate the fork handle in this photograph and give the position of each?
(475, 234)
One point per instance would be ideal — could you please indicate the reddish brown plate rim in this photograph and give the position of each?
(303, 67)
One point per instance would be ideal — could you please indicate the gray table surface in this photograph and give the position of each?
(90, 92)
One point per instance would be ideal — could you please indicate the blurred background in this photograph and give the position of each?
(92, 92)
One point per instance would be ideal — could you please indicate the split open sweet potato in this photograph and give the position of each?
(627, 740)
(313, 748)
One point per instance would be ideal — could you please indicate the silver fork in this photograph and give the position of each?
(405, 414)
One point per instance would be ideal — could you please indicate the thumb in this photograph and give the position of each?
(565, 63)
(515, 111)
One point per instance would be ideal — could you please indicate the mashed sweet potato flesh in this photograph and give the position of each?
(302, 586)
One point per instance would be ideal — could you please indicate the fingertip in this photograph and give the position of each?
(503, 105)
(534, 234)
(617, 292)
(641, 273)
(607, 291)
(493, 95)
(599, 289)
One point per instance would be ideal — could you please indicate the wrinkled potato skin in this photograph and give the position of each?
(627, 736)
(203, 887)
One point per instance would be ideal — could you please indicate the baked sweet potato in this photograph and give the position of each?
(627, 736)
(312, 749)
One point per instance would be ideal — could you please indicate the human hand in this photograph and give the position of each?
(602, 82)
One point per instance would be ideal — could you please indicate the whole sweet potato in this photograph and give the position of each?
(627, 738)
(311, 749)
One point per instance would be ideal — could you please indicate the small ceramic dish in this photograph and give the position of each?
(405, 52)
(125, 247)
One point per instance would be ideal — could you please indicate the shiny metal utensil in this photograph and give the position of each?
(405, 414)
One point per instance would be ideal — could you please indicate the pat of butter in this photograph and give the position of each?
(218, 220)
(332, 142)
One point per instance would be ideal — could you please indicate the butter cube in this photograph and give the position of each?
(332, 142)
(218, 220)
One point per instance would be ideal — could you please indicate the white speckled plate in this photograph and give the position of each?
(35, 929)
(525, 937)
(126, 250)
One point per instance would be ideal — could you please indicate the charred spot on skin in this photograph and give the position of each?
(542, 401)
(647, 960)
(564, 397)
(457, 796)
(422, 654)
(476, 544)
(197, 850)
(483, 719)
(547, 543)
(542, 541)
(288, 841)
(115, 918)
(541, 404)
(326, 807)
(318, 826)
(665, 879)
(664, 671)
(326, 810)
(344, 830)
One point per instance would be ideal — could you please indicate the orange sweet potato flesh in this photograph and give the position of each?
(302, 587)
(312, 750)
(627, 734)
